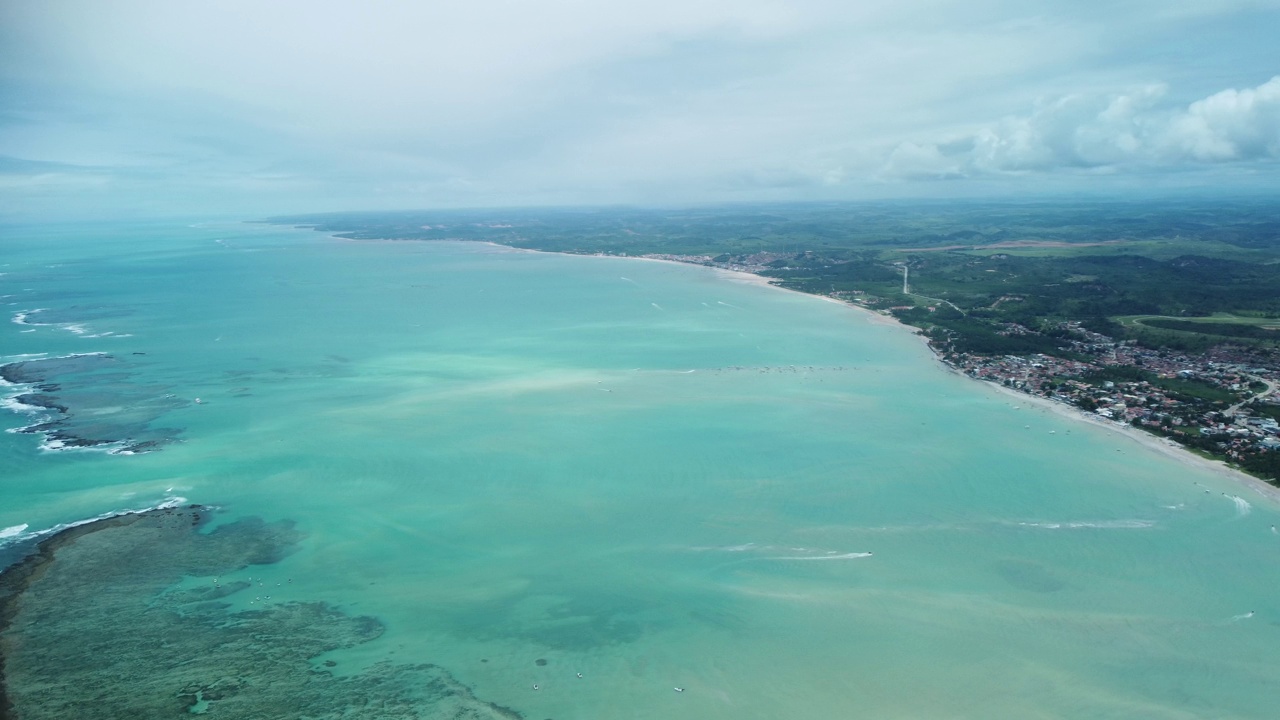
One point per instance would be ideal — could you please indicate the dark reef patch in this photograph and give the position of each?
(103, 620)
(587, 619)
(92, 401)
(1030, 576)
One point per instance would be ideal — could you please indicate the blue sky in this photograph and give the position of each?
(177, 107)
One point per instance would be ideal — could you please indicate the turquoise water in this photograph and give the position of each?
(645, 473)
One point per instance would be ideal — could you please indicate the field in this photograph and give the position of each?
(1146, 271)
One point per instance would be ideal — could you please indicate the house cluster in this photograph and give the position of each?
(1225, 401)
(753, 263)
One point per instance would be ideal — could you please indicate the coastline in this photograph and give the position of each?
(1157, 444)
(1163, 446)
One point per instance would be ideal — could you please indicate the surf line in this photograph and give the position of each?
(19, 534)
(843, 556)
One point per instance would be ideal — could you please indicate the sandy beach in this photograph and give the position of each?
(1164, 446)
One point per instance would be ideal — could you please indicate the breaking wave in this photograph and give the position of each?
(1092, 525)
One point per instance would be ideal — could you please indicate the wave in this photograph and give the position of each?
(1242, 506)
(22, 356)
(1092, 525)
(16, 405)
(732, 548)
(815, 554)
(12, 376)
(18, 533)
(62, 442)
(840, 556)
(41, 357)
(65, 423)
(58, 444)
(22, 316)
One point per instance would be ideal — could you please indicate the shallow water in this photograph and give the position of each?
(505, 458)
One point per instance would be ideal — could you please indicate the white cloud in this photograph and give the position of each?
(921, 162)
(406, 103)
(1136, 130)
(1230, 125)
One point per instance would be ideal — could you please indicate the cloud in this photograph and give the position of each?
(922, 162)
(1139, 130)
(1228, 126)
(315, 104)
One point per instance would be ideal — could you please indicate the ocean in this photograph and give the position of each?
(585, 487)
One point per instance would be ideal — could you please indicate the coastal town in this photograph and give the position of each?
(1223, 403)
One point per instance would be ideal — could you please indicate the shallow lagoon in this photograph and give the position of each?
(650, 475)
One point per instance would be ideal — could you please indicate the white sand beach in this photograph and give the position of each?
(1163, 446)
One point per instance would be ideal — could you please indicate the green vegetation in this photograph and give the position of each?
(1200, 333)
(1264, 465)
(1157, 268)
(1267, 410)
(1103, 289)
(1178, 388)
(968, 335)
(839, 230)
(1231, 330)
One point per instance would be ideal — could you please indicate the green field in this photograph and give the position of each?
(1139, 270)
(1222, 318)
(1215, 328)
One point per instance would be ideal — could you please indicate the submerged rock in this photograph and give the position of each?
(93, 400)
(98, 622)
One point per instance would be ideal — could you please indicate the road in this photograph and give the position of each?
(1271, 388)
(906, 290)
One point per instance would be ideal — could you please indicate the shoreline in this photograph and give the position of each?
(738, 276)
(1154, 443)
(21, 544)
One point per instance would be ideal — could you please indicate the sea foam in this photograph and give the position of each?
(1092, 525)
(1242, 506)
(12, 531)
(840, 556)
(18, 533)
(22, 317)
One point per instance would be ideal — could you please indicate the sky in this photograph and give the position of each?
(175, 107)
